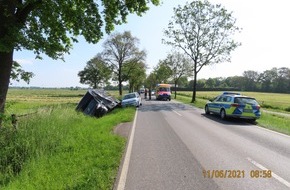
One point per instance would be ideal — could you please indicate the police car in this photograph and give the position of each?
(230, 104)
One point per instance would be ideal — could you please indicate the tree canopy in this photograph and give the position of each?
(96, 73)
(51, 27)
(204, 32)
(121, 51)
(180, 66)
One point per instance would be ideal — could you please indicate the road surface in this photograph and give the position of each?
(175, 146)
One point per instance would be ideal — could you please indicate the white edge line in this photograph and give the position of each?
(280, 179)
(284, 135)
(176, 112)
(125, 167)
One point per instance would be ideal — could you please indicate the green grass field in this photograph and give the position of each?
(278, 103)
(57, 147)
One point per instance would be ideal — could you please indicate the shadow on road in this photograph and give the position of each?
(229, 121)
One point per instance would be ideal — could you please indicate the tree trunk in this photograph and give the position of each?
(175, 89)
(194, 86)
(6, 60)
(120, 81)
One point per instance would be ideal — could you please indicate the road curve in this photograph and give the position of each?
(177, 146)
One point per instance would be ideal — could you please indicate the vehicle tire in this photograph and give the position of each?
(253, 121)
(207, 112)
(223, 114)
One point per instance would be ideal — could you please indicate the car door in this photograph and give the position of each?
(214, 106)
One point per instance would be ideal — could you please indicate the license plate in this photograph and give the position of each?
(248, 110)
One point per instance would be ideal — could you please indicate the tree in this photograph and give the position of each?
(151, 80)
(204, 32)
(50, 27)
(96, 73)
(121, 50)
(18, 73)
(162, 72)
(136, 73)
(179, 66)
(267, 79)
(251, 79)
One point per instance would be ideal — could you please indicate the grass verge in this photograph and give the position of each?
(273, 122)
(62, 149)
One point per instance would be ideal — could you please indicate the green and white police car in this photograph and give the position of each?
(230, 104)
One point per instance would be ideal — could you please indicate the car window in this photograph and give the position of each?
(228, 99)
(128, 96)
(246, 100)
(220, 99)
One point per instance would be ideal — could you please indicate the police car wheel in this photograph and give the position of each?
(223, 114)
(206, 110)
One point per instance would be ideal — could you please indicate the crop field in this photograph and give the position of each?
(22, 101)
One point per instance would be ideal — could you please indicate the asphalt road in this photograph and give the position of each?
(175, 146)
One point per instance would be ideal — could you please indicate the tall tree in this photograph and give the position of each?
(96, 73)
(136, 73)
(204, 32)
(179, 65)
(121, 50)
(50, 27)
(251, 79)
(162, 72)
(267, 79)
(151, 80)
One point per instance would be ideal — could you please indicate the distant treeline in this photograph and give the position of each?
(205, 89)
(275, 80)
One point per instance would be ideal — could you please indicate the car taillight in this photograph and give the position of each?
(235, 105)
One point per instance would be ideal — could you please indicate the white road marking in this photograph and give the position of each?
(124, 172)
(284, 135)
(176, 112)
(280, 179)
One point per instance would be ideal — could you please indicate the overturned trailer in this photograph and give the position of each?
(97, 103)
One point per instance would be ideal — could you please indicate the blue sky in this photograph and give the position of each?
(265, 39)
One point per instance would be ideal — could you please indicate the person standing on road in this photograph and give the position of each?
(145, 93)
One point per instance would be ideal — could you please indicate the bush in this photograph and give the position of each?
(287, 109)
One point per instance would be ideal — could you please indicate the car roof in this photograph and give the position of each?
(235, 94)
(131, 93)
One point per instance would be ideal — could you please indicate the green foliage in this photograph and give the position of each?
(136, 73)
(204, 32)
(122, 53)
(31, 25)
(162, 72)
(179, 65)
(62, 149)
(19, 74)
(96, 73)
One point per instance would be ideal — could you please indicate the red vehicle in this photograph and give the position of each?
(163, 92)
